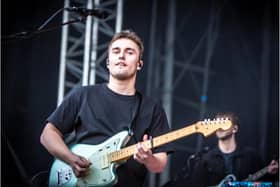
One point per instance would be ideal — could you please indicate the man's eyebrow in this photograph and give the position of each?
(115, 48)
(128, 48)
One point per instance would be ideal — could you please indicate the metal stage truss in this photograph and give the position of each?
(166, 74)
(84, 44)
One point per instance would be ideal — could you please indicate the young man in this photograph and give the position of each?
(227, 158)
(98, 112)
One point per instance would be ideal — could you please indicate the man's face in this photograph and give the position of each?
(225, 134)
(123, 59)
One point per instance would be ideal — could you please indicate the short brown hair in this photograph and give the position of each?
(128, 34)
(230, 115)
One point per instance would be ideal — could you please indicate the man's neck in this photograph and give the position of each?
(227, 145)
(122, 87)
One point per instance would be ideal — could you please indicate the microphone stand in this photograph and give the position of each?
(191, 160)
(29, 34)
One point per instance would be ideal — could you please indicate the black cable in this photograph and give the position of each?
(40, 29)
(37, 176)
(16, 160)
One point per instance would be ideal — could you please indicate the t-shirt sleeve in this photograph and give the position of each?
(66, 114)
(159, 127)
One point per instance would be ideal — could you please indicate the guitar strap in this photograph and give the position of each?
(135, 114)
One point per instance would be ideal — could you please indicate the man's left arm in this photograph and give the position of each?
(154, 162)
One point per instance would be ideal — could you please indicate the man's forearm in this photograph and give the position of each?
(52, 140)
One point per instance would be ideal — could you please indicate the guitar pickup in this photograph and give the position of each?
(104, 162)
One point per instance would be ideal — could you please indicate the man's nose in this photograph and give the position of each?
(122, 55)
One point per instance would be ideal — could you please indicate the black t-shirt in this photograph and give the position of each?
(228, 162)
(96, 113)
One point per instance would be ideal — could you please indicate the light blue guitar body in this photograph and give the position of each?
(102, 171)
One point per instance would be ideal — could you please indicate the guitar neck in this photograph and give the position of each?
(257, 175)
(125, 153)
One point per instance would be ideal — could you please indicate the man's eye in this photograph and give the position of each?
(130, 52)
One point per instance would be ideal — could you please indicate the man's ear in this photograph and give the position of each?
(235, 129)
(140, 65)
(107, 62)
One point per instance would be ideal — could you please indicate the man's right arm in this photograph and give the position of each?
(51, 138)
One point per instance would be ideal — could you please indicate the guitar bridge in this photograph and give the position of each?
(64, 175)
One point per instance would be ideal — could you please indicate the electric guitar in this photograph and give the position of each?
(251, 177)
(105, 157)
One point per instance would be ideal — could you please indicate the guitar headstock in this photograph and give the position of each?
(207, 127)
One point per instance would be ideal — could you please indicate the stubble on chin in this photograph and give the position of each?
(224, 136)
(121, 75)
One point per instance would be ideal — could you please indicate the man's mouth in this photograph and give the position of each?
(120, 64)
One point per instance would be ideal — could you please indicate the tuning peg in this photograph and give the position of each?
(204, 121)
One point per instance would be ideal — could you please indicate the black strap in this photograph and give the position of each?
(135, 114)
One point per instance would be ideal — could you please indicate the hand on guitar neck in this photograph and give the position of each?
(273, 167)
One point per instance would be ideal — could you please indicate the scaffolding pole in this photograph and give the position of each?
(84, 45)
(168, 76)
